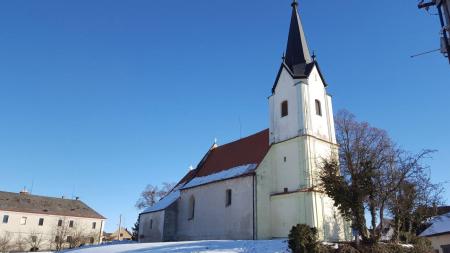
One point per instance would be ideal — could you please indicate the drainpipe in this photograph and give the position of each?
(254, 206)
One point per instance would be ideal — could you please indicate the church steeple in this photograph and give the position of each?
(297, 52)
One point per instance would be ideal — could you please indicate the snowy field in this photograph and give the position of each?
(269, 246)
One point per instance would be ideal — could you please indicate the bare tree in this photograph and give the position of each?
(20, 242)
(370, 172)
(34, 240)
(5, 242)
(153, 194)
(351, 182)
(60, 233)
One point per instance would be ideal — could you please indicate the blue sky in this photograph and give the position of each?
(99, 98)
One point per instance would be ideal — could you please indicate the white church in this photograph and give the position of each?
(258, 187)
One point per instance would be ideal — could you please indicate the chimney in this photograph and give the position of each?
(77, 198)
(24, 191)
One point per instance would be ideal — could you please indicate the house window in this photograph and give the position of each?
(228, 198)
(56, 239)
(69, 239)
(5, 219)
(284, 159)
(71, 223)
(60, 223)
(94, 225)
(284, 108)
(92, 240)
(151, 224)
(41, 221)
(318, 108)
(191, 208)
(23, 221)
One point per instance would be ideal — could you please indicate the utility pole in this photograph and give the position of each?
(120, 227)
(443, 7)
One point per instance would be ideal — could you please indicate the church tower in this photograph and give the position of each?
(301, 134)
(299, 104)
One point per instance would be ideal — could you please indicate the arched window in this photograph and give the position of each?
(318, 108)
(191, 208)
(228, 197)
(284, 108)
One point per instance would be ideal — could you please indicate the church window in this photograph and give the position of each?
(191, 208)
(228, 198)
(5, 219)
(41, 222)
(318, 108)
(284, 108)
(94, 225)
(284, 159)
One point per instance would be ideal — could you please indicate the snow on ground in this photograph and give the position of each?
(267, 246)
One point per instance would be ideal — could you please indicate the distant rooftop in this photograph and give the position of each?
(439, 225)
(27, 203)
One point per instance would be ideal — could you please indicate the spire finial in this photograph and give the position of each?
(294, 3)
(314, 55)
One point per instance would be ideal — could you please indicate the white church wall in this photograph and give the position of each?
(283, 128)
(151, 227)
(278, 211)
(329, 222)
(289, 210)
(317, 124)
(212, 218)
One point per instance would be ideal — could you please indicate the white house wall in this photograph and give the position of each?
(438, 241)
(213, 219)
(48, 230)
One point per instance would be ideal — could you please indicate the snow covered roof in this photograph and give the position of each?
(164, 202)
(439, 225)
(228, 161)
(225, 174)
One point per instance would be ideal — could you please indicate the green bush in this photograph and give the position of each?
(421, 245)
(346, 248)
(303, 239)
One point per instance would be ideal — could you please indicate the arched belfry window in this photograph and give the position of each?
(318, 108)
(191, 208)
(284, 108)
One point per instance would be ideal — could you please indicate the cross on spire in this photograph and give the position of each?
(294, 3)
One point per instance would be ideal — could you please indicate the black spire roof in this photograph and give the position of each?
(297, 60)
(297, 53)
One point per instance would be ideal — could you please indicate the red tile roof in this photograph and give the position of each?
(248, 150)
